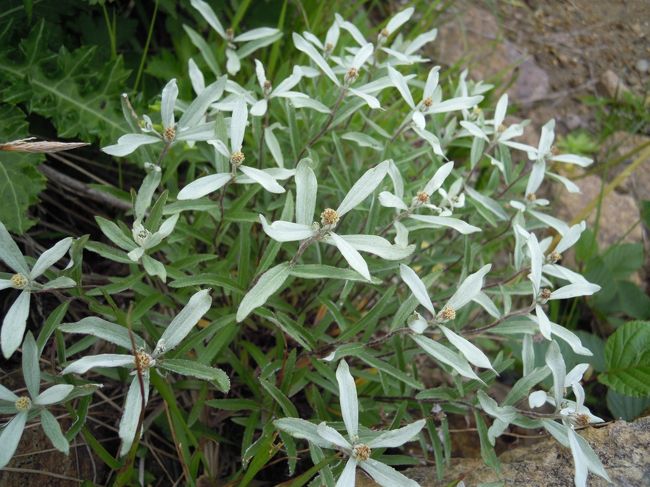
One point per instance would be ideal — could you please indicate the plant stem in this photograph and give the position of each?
(326, 125)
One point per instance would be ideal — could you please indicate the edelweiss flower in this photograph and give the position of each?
(143, 360)
(24, 279)
(252, 40)
(267, 178)
(190, 128)
(348, 245)
(468, 291)
(357, 446)
(31, 405)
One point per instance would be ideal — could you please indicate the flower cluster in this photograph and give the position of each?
(378, 218)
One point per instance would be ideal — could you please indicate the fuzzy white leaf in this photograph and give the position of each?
(14, 324)
(471, 352)
(348, 399)
(266, 286)
(438, 179)
(399, 82)
(283, 231)
(10, 437)
(84, 364)
(469, 288)
(446, 356)
(575, 290)
(444, 221)
(263, 179)
(54, 394)
(131, 412)
(351, 255)
(304, 46)
(366, 184)
(182, 324)
(306, 191)
(203, 186)
(417, 287)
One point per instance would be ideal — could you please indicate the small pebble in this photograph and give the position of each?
(642, 65)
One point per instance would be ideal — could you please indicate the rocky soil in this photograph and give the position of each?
(622, 447)
(553, 55)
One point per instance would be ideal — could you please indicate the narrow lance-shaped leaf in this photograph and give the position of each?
(182, 324)
(348, 398)
(416, 286)
(266, 286)
(366, 184)
(471, 352)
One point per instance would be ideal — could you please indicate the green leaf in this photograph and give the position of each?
(202, 280)
(626, 407)
(108, 252)
(195, 369)
(321, 271)
(627, 354)
(389, 369)
(623, 259)
(278, 396)
(20, 181)
(487, 451)
(79, 92)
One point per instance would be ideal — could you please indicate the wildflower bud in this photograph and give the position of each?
(142, 236)
(169, 134)
(329, 217)
(384, 33)
(267, 87)
(351, 75)
(237, 158)
(328, 47)
(230, 34)
(361, 452)
(422, 197)
(143, 360)
(476, 111)
(554, 257)
(555, 151)
(447, 313)
(501, 128)
(23, 403)
(531, 197)
(19, 281)
(545, 294)
(427, 102)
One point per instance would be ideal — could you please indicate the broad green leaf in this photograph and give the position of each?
(627, 354)
(20, 181)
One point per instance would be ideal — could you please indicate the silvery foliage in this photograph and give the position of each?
(148, 230)
(358, 445)
(359, 76)
(250, 41)
(34, 404)
(145, 358)
(25, 281)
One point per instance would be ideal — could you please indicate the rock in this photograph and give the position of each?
(474, 39)
(612, 85)
(618, 212)
(642, 66)
(623, 448)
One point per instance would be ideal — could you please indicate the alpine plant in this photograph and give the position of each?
(354, 209)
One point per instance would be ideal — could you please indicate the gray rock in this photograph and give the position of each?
(623, 448)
